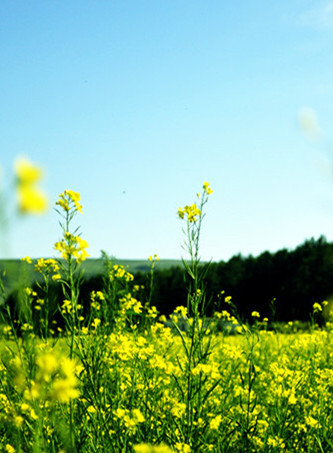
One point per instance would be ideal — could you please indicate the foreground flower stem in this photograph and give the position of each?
(72, 248)
(196, 353)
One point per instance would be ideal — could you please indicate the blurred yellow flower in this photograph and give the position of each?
(26, 172)
(31, 199)
(27, 259)
(255, 314)
(317, 307)
(145, 448)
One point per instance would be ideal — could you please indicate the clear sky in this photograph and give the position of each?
(135, 103)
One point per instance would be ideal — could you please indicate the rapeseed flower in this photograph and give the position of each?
(46, 266)
(191, 213)
(73, 246)
(145, 448)
(182, 448)
(27, 259)
(317, 307)
(55, 380)
(153, 258)
(215, 422)
(31, 199)
(182, 310)
(206, 188)
(26, 172)
(119, 272)
(69, 201)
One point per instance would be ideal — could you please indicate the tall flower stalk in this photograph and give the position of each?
(196, 342)
(193, 216)
(73, 251)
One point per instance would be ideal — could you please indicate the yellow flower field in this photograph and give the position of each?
(119, 377)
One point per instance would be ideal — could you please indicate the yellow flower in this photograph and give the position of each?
(70, 200)
(312, 422)
(27, 259)
(137, 415)
(145, 448)
(46, 266)
(153, 258)
(181, 213)
(10, 449)
(118, 271)
(182, 310)
(64, 390)
(7, 330)
(206, 188)
(73, 246)
(47, 364)
(18, 420)
(191, 212)
(96, 322)
(215, 422)
(182, 448)
(317, 307)
(26, 172)
(31, 199)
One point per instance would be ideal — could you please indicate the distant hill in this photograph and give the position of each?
(95, 266)
(14, 272)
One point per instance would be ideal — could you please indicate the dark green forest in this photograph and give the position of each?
(294, 279)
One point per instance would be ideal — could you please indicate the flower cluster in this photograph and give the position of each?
(31, 199)
(145, 448)
(192, 213)
(130, 419)
(96, 298)
(153, 258)
(206, 188)
(129, 303)
(55, 379)
(69, 200)
(73, 246)
(47, 266)
(119, 272)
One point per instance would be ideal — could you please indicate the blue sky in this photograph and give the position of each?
(135, 103)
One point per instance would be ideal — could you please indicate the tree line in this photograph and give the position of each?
(290, 281)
